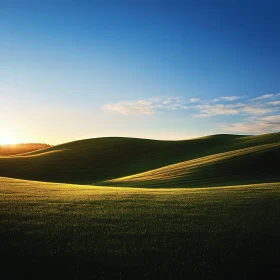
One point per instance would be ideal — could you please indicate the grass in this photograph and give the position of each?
(97, 160)
(202, 208)
(74, 231)
(254, 164)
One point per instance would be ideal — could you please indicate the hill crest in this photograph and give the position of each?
(103, 159)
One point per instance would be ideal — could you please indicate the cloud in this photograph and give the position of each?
(271, 119)
(212, 110)
(255, 108)
(265, 96)
(262, 105)
(261, 125)
(274, 103)
(139, 107)
(194, 100)
(208, 110)
(144, 107)
(256, 115)
(230, 98)
(259, 117)
(227, 98)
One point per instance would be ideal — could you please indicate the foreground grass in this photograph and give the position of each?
(60, 230)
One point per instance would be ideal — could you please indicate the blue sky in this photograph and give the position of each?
(151, 69)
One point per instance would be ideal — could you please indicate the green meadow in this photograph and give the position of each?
(132, 208)
(217, 160)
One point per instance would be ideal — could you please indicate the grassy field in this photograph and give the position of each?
(202, 208)
(248, 165)
(97, 160)
(74, 231)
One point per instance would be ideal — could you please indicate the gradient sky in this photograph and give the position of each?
(152, 69)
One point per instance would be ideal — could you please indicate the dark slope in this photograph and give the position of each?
(257, 164)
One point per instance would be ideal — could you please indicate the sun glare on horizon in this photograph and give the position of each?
(7, 138)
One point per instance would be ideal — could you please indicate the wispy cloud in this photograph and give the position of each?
(260, 114)
(256, 110)
(207, 110)
(265, 96)
(261, 125)
(271, 119)
(194, 100)
(250, 109)
(131, 108)
(144, 107)
(255, 107)
(226, 98)
(274, 103)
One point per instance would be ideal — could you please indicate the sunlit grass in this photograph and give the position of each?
(97, 231)
(171, 220)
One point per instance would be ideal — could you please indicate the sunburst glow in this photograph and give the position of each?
(7, 137)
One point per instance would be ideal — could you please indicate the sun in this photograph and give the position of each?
(7, 138)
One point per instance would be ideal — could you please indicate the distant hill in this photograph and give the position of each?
(15, 149)
(208, 161)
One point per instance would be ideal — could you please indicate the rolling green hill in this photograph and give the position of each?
(99, 160)
(150, 209)
(248, 165)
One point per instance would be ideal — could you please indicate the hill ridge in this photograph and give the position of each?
(174, 172)
(102, 159)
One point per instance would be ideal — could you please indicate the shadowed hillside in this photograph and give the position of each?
(101, 159)
(248, 165)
